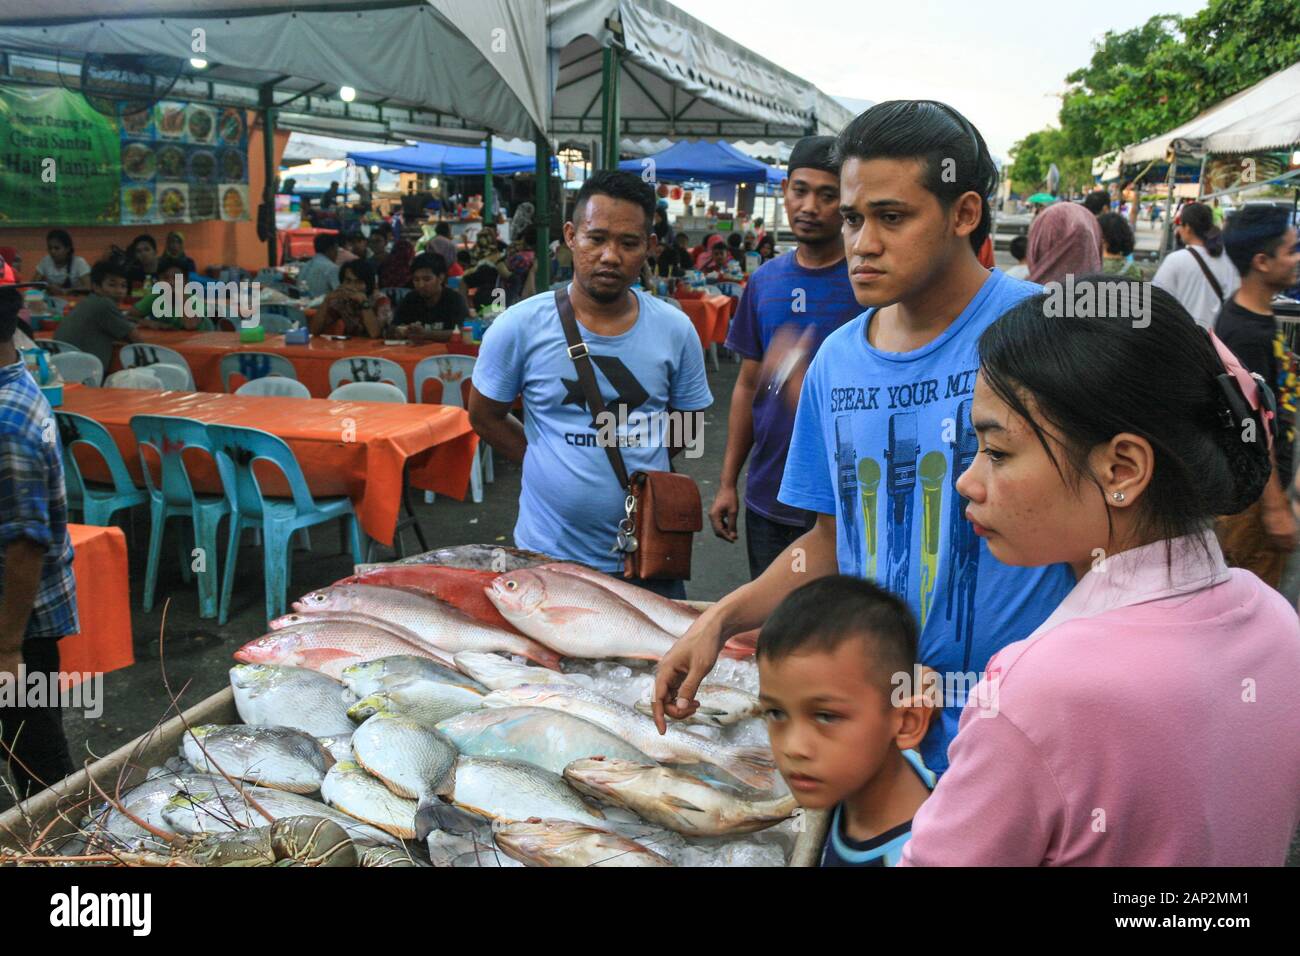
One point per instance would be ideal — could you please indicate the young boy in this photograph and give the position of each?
(432, 310)
(835, 668)
(97, 321)
(1019, 252)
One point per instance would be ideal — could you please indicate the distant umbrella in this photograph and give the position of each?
(1042, 198)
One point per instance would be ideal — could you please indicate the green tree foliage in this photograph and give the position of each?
(1142, 82)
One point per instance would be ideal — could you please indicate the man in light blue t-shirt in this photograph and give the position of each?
(649, 365)
(883, 428)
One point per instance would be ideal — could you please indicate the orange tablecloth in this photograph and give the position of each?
(203, 351)
(103, 603)
(711, 317)
(356, 449)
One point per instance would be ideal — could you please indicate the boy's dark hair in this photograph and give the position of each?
(617, 184)
(431, 261)
(1117, 233)
(325, 242)
(1097, 201)
(1019, 248)
(951, 150)
(1254, 229)
(442, 229)
(735, 240)
(170, 264)
(146, 238)
(11, 303)
(464, 258)
(106, 268)
(361, 270)
(823, 614)
(63, 237)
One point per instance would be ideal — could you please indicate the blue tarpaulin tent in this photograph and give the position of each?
(703, 162)
(434, 159)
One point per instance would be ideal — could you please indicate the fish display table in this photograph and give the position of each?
(358, 449)
(103, 601)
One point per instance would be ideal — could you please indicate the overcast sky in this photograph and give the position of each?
(1004, 70)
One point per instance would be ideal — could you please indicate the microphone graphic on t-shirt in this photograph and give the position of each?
(846, 463)
(901, 455)
(964, 549)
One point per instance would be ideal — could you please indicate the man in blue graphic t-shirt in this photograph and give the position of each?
(883, 427)
(789, 307)
(649, 366)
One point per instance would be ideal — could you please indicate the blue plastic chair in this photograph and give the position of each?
(174, 496)
(254, 365)
(96, 503)
(237, 450)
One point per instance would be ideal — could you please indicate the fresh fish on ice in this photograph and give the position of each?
(328, 645)
(549, 739)
(672, 616)
(411, 759)
(564, 843)
(267, 695)
(720, 706)
(496, 672)
(477, 557)
(349, 788)
(275, 757)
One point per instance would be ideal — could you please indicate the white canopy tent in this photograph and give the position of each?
(483, 62)
(1262, 117)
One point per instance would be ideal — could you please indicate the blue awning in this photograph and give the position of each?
(434, 159)
(703, 162)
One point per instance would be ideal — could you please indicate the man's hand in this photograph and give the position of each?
(1280, 526)
(683, 668)
(723, 511)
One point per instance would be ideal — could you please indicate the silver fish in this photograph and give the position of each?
(549, 739)
(339, 746)
(720, 706)
(564, 843)
(435, 624)
(496, 672)
(476, 557)
(673, 799)
(376, 675)
(512, 790)
(271, 696)
(348, 787)
(576, 618)
(673, 616)
(428, 699)
(269, 756)
(411, 759)
(220, 808)
(750, 765)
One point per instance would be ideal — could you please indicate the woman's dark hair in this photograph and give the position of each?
(63, 237)
(1199, 218)
(617, 184)
(735, 241)
(951, 150)
(1089, 379)
(360, 269)
(767, 240)
(143, 237)
(1255, 229)
(1116, 232)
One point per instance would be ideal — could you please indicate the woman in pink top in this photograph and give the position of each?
(1154, 718)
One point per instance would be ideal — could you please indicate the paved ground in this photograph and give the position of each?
(197, 652)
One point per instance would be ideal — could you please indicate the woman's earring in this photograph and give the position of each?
(1117, 495)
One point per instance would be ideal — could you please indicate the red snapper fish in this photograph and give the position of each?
(460, 587)
(441, 627)
(328, 646)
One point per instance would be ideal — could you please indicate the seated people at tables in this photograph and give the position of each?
(442, 243)
(142, 263)
(488, 269)
(715, 257)
(355, 307)
(675, 260)
(520, 262)
(320, 274)
(97, 321)
(767, 248)
(156, 306)
(8, 272)
(395, 273)
(62, 270)
(829, 658)
(433, 310)
(735, 247)
(377, 248)
(175, 249)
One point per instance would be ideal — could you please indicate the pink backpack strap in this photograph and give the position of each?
(1248, 387)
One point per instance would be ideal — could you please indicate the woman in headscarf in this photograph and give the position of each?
(705, 259)
(1064, 239)
(523, 218)
(395, 273)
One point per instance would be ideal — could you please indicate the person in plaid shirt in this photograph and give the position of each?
(38, 602)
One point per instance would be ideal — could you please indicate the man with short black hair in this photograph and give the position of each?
(792, 302)
(1261, 242)
(432, 310)
(320, 274)
(38, 602)
(648, 361)
(97, 321)
(1097, 201)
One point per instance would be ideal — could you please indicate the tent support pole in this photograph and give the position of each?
(609, 112)
(543, 218)
(487, 183)
(1167, 240)
(267, 97)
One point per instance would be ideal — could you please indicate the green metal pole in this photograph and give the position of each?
(268, 160)
(609, 111)
(543, 218)
(487, 184)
